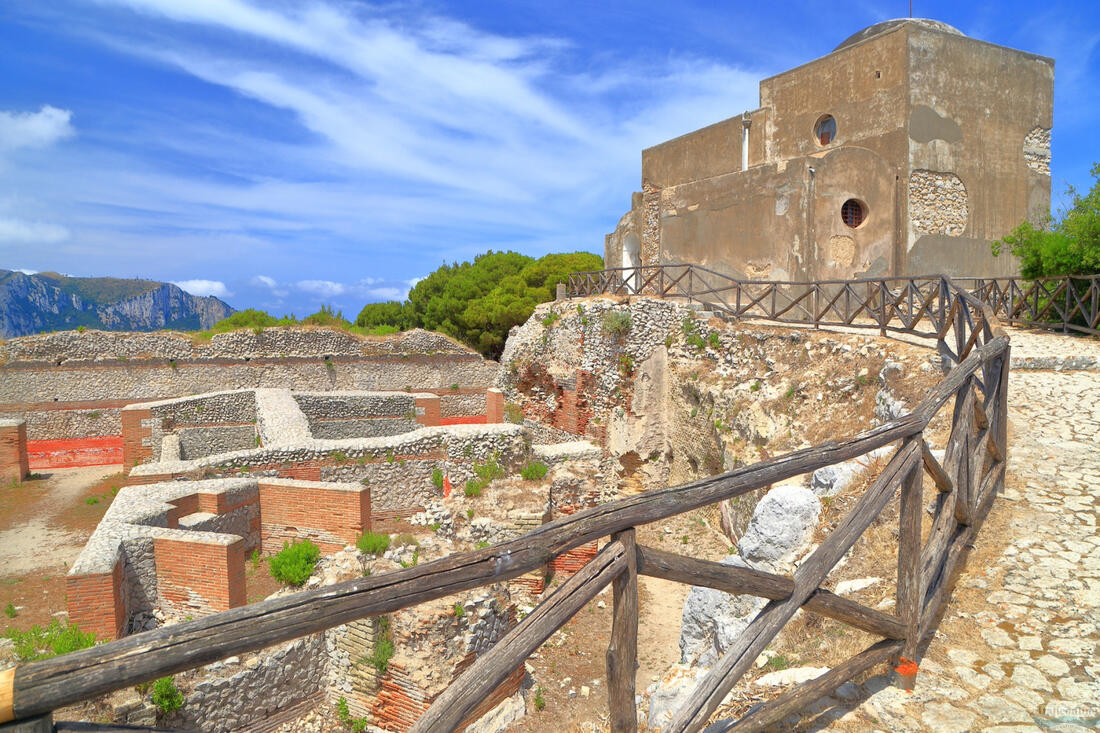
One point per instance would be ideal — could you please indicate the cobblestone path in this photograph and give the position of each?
(1018, 648)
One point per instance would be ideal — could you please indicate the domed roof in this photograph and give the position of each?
(889, 25)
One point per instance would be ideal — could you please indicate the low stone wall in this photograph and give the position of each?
(398, 469)
(70, 385)
(341, 415)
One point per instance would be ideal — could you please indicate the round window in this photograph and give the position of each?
(853, 213)
(825, 130)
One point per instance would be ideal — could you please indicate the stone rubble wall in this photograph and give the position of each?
(70, 346)
(262, 692)
(1037, 150)
(343, 415)
(938, 203)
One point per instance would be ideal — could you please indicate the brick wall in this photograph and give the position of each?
(429, 411)
(570, 562)
(195, 577)
(330, 517)
(494, 406)
(95, 603)
(100, 450)
(13, 451)
(134, 434)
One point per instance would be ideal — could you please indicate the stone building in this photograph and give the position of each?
(905, 151)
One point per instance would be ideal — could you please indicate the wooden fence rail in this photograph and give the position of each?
(965, 483)
(899, 303)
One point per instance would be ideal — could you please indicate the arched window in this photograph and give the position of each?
(825, 130)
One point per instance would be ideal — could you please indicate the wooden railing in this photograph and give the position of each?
(965, 484)
(1067, 303)
(897, 303)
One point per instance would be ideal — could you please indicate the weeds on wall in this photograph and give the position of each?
(294, 563)
(616, 323)
(437, 478)
(380, 657)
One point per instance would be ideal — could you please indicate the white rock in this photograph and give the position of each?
(851, 586)
(781, 527)
(792, 676)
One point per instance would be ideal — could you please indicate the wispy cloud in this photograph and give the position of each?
(34, 129)
(204, 287)
(20, 231)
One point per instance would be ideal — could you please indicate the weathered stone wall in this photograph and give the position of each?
(937, 203)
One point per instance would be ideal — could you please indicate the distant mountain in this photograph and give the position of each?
(47, 301)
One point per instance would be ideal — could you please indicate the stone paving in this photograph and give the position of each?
(1018, 648)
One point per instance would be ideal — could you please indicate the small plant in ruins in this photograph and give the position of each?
(373, 543)
(535, 471)
(437, 478)
(166, 696)
(616, 323)
(295, 562)
(343, 714)
(339, 456)
(9, 611)
(383, 647)
(551, 319)
(626, 364)
(540, 701)
(460, 611)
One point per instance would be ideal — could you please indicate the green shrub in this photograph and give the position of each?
(551, 319)
(540, 701)
(294, 563)
(626, 364)
(460, 611)
(9, 611)
(373, 543)
(43, 643)
(534, 471)
(473, 488)
(339, 456)
(166, 696)
(617, 323)
(437, 478)
(91, 500)
(481, 545)
(713, 340)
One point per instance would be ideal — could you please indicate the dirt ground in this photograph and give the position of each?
(44, 524)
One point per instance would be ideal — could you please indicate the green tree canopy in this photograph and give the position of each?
(478, 302)
(1067, 247)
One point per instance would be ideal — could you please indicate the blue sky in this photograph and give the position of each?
(287, 154)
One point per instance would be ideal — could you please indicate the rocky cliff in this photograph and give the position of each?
(50, 302)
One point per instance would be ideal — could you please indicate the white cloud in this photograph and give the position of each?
(21, 231)
(323, 288)
(387, 293)
(264, 280)
(204, 287)
(34, 129)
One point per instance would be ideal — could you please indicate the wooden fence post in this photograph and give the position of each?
(622, 651)
(910, 599)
